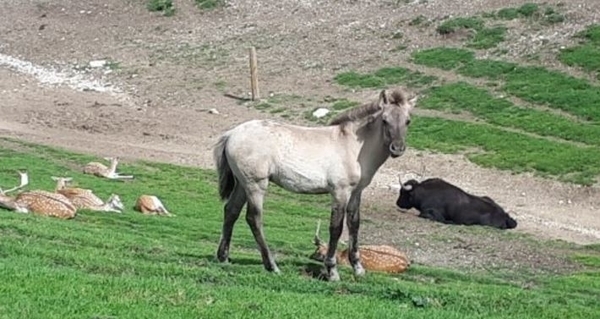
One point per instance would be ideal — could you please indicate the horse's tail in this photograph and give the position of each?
(226, 178)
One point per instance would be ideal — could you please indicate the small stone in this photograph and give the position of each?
(213, 111)
(97, 63)
(320, 112)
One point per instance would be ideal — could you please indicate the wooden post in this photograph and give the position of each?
(253, 74)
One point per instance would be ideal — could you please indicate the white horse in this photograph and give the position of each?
(339, 159)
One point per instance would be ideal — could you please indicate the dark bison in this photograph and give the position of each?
(441, 201)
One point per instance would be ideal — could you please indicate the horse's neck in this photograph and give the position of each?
(373, 153)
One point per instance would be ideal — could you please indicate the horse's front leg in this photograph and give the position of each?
(353, 222)
(336, 225)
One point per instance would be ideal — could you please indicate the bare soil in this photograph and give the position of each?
(152, 100)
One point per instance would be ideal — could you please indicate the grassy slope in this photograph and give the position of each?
(102, 265)
(556, 135)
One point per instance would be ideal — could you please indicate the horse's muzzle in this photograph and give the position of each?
(396, 152)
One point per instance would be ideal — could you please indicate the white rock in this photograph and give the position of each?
(97, 63)
(213, 111)
(320, 112)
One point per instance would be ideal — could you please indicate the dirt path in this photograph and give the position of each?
(152, 106)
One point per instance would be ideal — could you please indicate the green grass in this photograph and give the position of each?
(488, 37)
(530, 83)
(452, 25)
(507, 150)
(479, 102)
(586, 55)
(103, 265)
(343, 104)
(531, 11)
(165, 6)
(383, 78)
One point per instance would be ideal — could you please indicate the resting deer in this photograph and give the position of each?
(85, 198)
(101, 170)
(381, 258)
(37, 201)
(151, 205)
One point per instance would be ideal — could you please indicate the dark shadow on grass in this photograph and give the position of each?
(239, 98)
(312, 270)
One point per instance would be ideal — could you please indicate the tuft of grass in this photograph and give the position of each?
(528, 9)
(498, 111)
(418, 20)
(209, 4)
(343, 104)
(531, 11)
(164, 6)
(263, 106)
(483, 38)
(587, 55)
(508, 13)
(530, 83)
(384, 77)
(488, 37)
(552, 17)
(452, 25)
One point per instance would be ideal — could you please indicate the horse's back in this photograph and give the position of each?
(299, 159)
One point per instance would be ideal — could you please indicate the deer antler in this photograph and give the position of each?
(24, 182)
(317, 240)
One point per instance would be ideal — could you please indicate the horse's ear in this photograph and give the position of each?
(383, 100)
(412, 102)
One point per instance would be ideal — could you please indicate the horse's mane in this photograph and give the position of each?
(397, 97)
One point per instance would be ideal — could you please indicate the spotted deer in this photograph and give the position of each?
(101, 170)
(382, 258)
(151, 205)
(85, 198)
(37, 201)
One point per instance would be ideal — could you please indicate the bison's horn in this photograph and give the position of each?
(402, 186)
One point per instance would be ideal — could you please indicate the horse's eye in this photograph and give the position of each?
(408, 122)
(385, 122)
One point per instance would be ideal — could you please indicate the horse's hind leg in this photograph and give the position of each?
(256, 194)
(232, 210)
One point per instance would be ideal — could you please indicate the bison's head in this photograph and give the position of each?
(499, 218)
(510, 222)
(406, 198)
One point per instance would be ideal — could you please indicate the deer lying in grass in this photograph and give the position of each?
(85, 198)
(37, 201)
(101, 170)
(151, 205)
(381, 258)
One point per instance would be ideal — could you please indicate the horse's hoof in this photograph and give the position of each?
(334, 275)
(223, 259)
(273, 268)
(359, 271)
